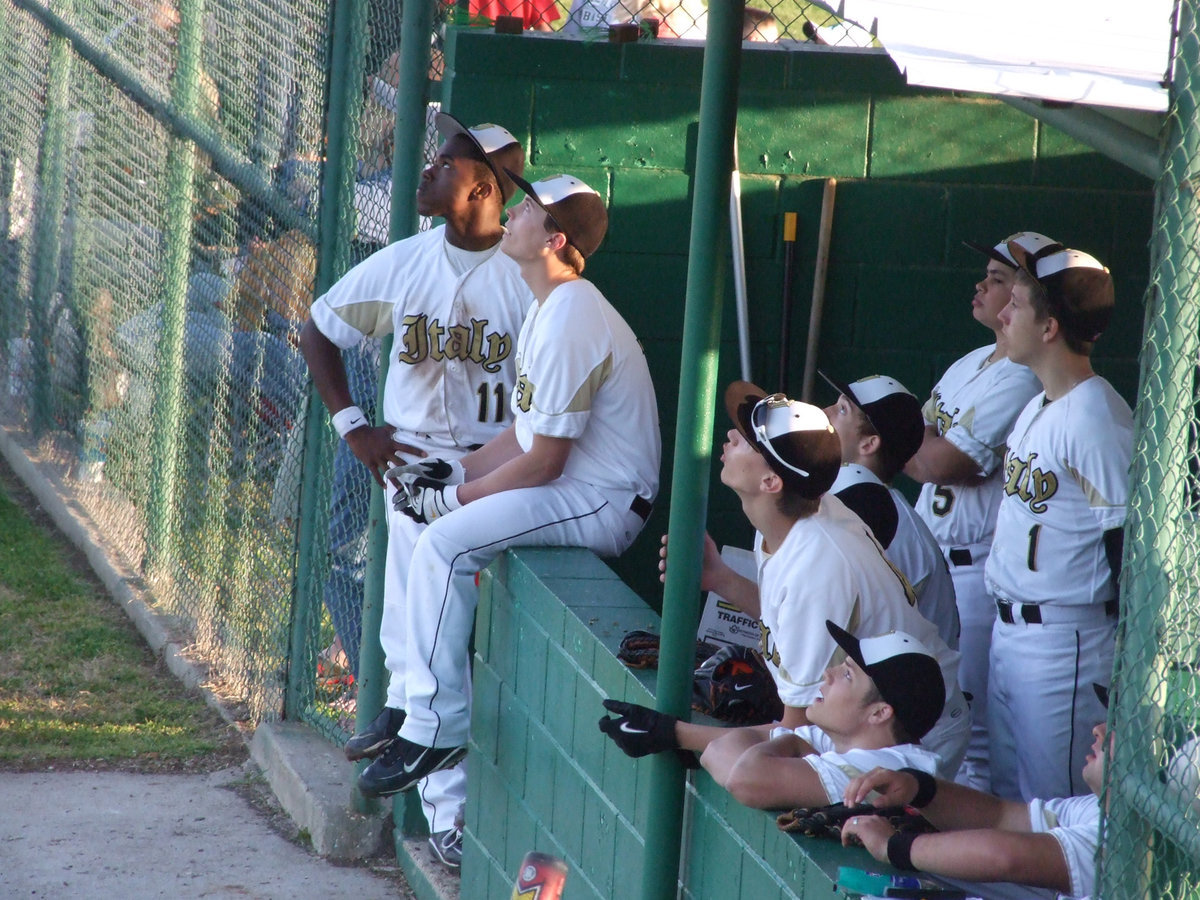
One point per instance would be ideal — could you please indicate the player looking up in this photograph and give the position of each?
(578, 467)
(1056, 554)
(880, 427)
(967, 418)
(455, 305)
(816, 560)
(874, 705)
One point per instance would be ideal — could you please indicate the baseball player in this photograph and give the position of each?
(880, 427)
(455, 305)
(872, 709)
(1056, 553)
(578, 467)
(1044, 843)
(816, 560)
(967, 418)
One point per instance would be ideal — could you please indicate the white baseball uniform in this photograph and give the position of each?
(455, 315)
(830, 567)
(837, 769)
(1066, 482)
(1075, 823)
(973, 405)
(581, 374)
(914, 552)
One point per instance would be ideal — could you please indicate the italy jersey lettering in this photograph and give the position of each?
(423, 338)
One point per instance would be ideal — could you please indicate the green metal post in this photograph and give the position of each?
(694, 429)
(408, 158)
(348, 42)
(1158, 530)
(166, 413)
(49, 224)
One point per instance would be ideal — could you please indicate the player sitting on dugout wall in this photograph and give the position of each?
(455, 305)
(880, 426)
(1056, 553)
(872, 709)
(1042, 843)
(578, 468)
(968, 416)
(816, 560)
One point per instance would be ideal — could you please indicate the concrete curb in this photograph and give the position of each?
(312, 781)
(307, 773)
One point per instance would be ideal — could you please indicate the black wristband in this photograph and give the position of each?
(899, 850)
(926, 788)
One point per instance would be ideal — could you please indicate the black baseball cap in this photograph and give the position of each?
(495, 145)
(905, 673)
(891, 408)
(1079, 289)
(794, 438)
(576, 209)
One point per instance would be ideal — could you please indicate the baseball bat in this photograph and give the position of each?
(785, 313)
(818, 298)
(541, 877)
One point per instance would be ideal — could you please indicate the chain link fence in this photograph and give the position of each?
(1152, 838)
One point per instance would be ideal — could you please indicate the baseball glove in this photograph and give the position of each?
(734, 685)
(639, 650)
(826, 821)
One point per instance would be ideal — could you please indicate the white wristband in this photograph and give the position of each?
(346, 420)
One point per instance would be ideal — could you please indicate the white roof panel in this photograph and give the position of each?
(1083, 51)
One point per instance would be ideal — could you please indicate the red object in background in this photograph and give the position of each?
(541, 877)
(532, 12)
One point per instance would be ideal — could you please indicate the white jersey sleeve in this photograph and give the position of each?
(918, 556)
(582, 375)
(1075, 823)
(836, 770)
(973, 406)
(1066, 482)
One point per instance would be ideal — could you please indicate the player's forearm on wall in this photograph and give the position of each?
(1033, 859)
(774, 775)
(324, 360)
(956, 807)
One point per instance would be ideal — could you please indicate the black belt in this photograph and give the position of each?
(960, 556)
(641, 507)
(1031, 614)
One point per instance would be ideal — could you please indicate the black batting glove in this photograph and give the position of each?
(639, 730)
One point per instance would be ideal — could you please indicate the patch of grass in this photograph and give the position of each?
(78, 685)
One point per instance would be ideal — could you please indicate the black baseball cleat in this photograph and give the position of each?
(376, 737)
(403, 764)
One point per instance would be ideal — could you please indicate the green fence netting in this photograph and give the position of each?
(1152, 838)
(177, 178)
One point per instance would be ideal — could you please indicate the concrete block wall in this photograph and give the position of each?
(542, 776)
(918, 171)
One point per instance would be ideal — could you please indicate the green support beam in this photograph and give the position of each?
(707, 249)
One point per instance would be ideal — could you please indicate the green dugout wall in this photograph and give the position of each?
(918, 171)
